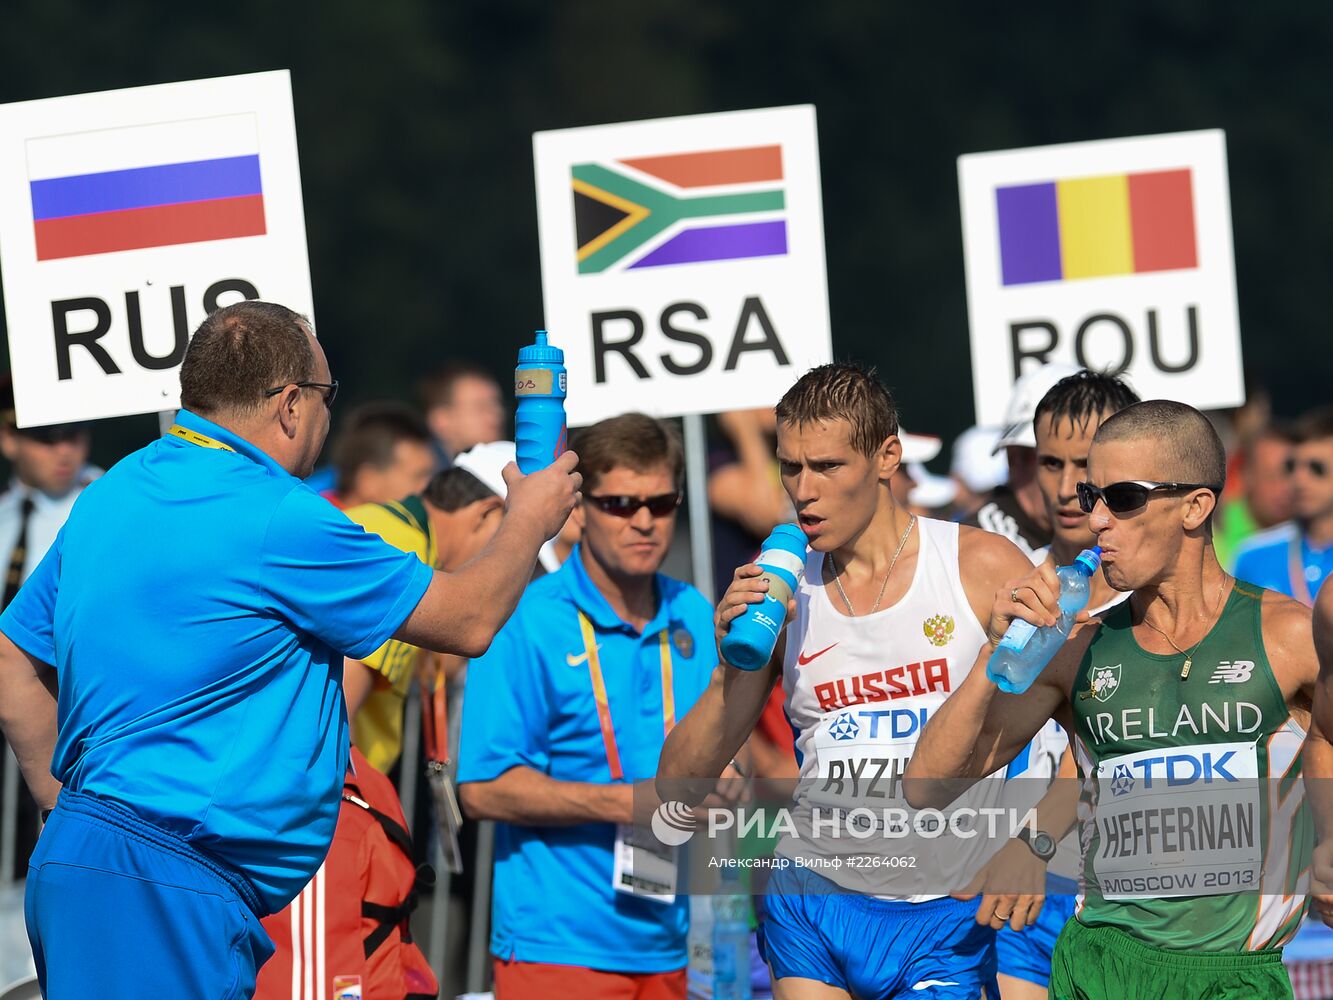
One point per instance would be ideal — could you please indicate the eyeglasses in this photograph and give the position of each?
(623, 506)
(1317, 468)
(330, 390)
(1121, 498)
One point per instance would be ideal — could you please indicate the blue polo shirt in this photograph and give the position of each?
(196, 607)
(1265, 560)
(529, 703)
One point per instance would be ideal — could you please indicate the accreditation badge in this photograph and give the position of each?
(644, 867)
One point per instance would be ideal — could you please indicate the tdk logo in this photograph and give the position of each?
(1178, 769)
(1122, 782)
(844, 727)
(1232, 672)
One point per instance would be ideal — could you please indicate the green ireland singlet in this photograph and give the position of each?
(1194, 823)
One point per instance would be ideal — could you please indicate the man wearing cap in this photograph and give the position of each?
(567, 710)
(1016, 510)
(976, 468)
(194, 613)
(49, 471)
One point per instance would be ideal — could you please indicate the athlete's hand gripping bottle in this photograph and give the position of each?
(539, 390)
(751, 636)
(1026, 649)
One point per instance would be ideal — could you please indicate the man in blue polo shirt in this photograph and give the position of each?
(1296, 558)
(568, 709)
(196, 609)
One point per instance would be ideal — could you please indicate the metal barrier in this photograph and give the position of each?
(9, 815)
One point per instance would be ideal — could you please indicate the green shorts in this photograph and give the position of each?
(1105, 963)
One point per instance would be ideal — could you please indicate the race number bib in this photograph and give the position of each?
(1178, 821)
(862, 755)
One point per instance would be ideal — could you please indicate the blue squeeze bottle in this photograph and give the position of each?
(539, 420)
(731, 939)
(1026, 649)
(751, 637)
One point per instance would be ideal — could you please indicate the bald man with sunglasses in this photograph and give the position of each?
(1184, 701)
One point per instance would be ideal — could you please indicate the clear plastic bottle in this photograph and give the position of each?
(731, 939)
(1026, 649)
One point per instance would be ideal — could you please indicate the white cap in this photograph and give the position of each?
(931, 491)
(918, 448)
(1023, 401)
(975, 461)
(486, 462)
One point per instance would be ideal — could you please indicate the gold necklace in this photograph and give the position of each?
(1189, 657)
(892, 563)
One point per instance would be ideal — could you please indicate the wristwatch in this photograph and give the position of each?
(1040, 843)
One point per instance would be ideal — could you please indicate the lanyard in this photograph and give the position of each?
(604, 706)
(194, 437)
(435, 712)
(1300, 586)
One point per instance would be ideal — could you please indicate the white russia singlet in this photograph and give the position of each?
(859, 691)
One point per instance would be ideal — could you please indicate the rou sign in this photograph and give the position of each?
(125, 218)
(683, 260)
(1114, 255)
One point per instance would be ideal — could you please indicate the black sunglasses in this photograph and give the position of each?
(623, 506)
(1121, 498)
(1317, 468)
(330, 390)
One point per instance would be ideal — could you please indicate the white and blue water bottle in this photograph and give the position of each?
(731, 939)
(540, 433)
(751, 636)
(1026, 649)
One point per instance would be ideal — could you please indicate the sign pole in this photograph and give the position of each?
(696, 484)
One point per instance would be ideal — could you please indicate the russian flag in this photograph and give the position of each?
(146, 186)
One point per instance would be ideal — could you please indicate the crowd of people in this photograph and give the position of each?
(206, 654)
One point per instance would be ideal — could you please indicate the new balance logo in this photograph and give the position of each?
(1232, 672)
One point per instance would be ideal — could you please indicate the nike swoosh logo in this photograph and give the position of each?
(574, 661)
(926, 984)
(802, 659)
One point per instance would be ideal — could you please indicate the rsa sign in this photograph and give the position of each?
(683, 260)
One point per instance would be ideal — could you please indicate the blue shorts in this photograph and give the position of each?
(1026, 954)
(117, 907)
(873, 948)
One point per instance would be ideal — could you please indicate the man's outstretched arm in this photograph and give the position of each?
(979, 729)
(462, 611)
(28, 717)
(698, 750)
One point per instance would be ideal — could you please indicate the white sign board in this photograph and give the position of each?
(683, 260)
(127, 216)
(1113, 255)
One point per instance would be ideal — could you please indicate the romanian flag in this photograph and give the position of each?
(1091, 227)
(680, 208)
(146, 186)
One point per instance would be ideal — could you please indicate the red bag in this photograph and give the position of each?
(346, 936)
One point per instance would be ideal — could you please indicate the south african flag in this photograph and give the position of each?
(680, 208)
